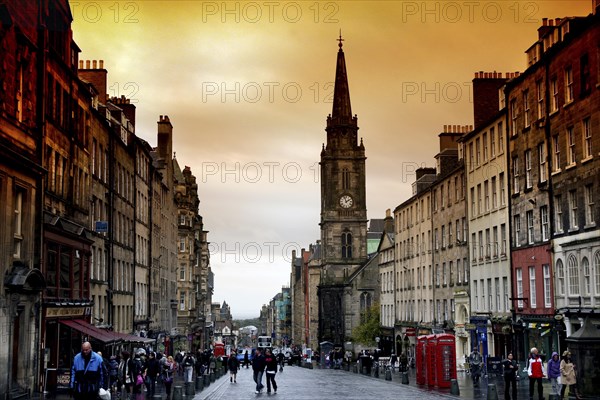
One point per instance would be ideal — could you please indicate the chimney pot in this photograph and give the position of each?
(80, 64)
(101, 64)
(94, 64)
(87, 64)
(544, 21)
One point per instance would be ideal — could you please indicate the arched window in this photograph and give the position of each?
(573, 273)
(346, 244)
(345, 179)
(587, 276)
(560, 277)
(597, 272)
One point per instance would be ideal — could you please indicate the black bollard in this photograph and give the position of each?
(190, 390)
(492, 394)
(405, 378)
(199, 383)
(376, 372)
(177, 393)
(454, 387)
(206, 380)
(212, 377)
(388, 375)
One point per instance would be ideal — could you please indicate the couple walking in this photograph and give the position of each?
(264, 363)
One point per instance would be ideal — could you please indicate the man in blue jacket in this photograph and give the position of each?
(87, 375)
(258, 367)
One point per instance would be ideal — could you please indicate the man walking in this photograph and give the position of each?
(87, 376)
(258, 367)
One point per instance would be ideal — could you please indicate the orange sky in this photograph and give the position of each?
(247, 87)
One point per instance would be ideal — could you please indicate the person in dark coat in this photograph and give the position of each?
(510, 377)
(233, 365)
(246, 359)
(152, 371)
(258, 368)
(271, 364)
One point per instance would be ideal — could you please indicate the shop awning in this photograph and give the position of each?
(126, 337)
(90, 330)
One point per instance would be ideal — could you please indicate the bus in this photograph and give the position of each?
(264, 342)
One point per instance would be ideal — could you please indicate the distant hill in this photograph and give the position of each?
(240, 323)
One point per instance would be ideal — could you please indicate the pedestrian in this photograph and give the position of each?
(113, 373)
(178, 361)
(271, 364)
(554, 373)
(510, 376)
(475, 361)
(188, 366)
(280, 360)
(152, 371)
(233, 365)
(124, 375)
(536, 372)
(258, 368)
(393, 361)
(168, 370)
(568, 376)
(87, 376)
(246, 359)
(403, 362)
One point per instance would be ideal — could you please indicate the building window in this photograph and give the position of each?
(569, 95)
(519, 274)
(571, 158)
(486, 196)
(345, 179)
(573, 271)
(488, 244)
(514, 114)
(494, 194)
(503, 238)
(346, 245)
(19, 199)
(182, 301)
(573, 209)
(495, 243)
(532, 292)
(554, 100)
(555, 154)
(560, 277)
(473, 214)
(589, 205)
(528, 175)
(480, 245)
(527, 110)
(558, 221)
(587, 138)
(517, 223)
(497, 289)
(542, 161)
(506, 296)
(182, 272)
(544, 223)
(473, 247)
(502, 189)
(597, 272)
(471, 157)
(477, 152)
(475, 295)
(547, 294)
(516, 188)
(485, 147)
(539, 88)
(529, 216)
(492, 142)
(182, 245)
(500, 138)
(587, 284)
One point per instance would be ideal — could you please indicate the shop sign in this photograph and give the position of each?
(470, 327)
(67, 311)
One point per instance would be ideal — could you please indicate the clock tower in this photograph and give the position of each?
(343, 209)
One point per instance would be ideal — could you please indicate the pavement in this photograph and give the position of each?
(297, 383)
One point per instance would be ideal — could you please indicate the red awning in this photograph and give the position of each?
(90, 330)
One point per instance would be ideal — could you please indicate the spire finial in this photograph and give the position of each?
(340, 40)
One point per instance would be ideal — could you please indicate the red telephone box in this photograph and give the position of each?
(421, 360)
(431, 354)
(445, 360)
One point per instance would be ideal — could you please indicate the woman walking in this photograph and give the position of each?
(567, 373)
(168, 370)
(271, 363)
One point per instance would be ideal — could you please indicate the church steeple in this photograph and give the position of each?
(342, 111)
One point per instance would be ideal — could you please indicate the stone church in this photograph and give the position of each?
(348, 281)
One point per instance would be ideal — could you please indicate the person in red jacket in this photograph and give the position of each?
(536, 372)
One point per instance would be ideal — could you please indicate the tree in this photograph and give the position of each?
(369, 328)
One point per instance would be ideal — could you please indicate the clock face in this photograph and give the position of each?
(346, 201)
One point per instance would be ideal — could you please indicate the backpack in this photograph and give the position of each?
(188, 361)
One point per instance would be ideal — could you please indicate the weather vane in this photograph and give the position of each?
(340, 39)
